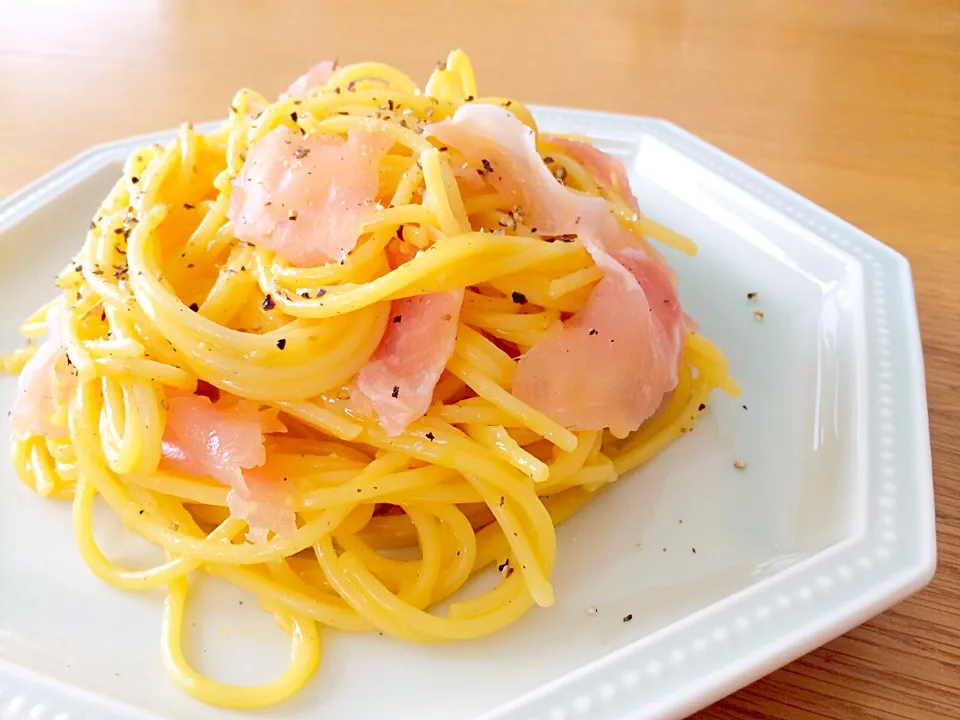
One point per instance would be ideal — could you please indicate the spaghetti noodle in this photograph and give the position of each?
(174, 322)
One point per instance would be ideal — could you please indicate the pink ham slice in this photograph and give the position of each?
(217, 440)
(265, 502)
(468, 179)
(39, 389)
(400, 378)
(614, 377)
(661, 292)
(224, 441)
(491, 133)
(316, 76)
(306, 197)
(606, 167)
(608, 366)
(488, 132)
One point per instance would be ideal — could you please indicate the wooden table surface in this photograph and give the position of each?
(853, 103)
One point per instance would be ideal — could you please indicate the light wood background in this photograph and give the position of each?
(853, 103)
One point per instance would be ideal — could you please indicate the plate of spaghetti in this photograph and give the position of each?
(425, 384)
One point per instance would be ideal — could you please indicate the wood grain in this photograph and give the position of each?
(853, 103)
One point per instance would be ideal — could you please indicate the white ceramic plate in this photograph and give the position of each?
(830, 523)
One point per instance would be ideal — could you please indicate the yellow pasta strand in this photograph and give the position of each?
(304, 652)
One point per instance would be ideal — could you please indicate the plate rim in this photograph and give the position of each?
(634, 681)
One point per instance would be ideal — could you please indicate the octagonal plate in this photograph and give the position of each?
(724, 573)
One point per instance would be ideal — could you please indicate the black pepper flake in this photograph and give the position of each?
(744, 407)
(233, 109)
(134, 179)
(141, 512)
(486, 165)
(505, 564)
(396, 391)
(508, 103)
(593, 331)
(694, 550)
(751, 296)
(321, 292)
(501, 500)
(282, 343)
(93, 225)
(352, 86)
(548, 160)
(628, 617)
(293, 116)
(430, 436)
(390, 104)
(702, 407)
(194, 307)
(518, 298)
(305, 295)
(301, 152)
(268, 303)
(468, 98)
(570, 237)
(118, 231)
(397, 318)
